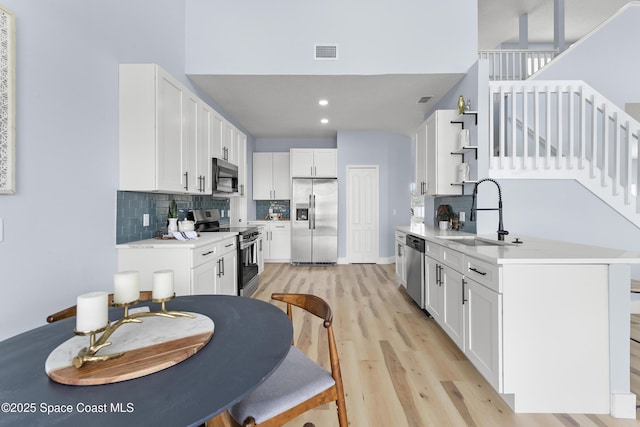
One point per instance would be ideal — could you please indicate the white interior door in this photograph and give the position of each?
(362, 214)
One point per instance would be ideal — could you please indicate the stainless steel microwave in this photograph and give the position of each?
(224, 177)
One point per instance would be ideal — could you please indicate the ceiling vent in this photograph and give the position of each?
(424, 100)
(326, 51)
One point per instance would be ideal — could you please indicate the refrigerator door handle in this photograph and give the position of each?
(310, 213)
(314, 212)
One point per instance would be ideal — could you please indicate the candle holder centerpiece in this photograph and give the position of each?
(92, 312)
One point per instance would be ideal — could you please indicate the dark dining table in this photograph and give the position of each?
(250, 340)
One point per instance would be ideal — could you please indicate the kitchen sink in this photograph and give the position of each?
(474, 241)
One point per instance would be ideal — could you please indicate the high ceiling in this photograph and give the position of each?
(287, 106)
(498, 20)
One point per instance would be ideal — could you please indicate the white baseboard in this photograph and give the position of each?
(386, 260)
(635, 303)
(623, 405)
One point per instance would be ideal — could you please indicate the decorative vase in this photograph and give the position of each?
(173, 225)
(461, 104)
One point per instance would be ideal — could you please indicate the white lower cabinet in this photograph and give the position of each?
(276, 240)
(227, 276)
(433, 291)
(401, 248)
(443, 293)
(218, 274)
(452, 320)
(206, 269)
(278, 246)
(468, 311)
(483, 331)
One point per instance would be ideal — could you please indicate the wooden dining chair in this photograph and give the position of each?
(71, 311)
(298, 384)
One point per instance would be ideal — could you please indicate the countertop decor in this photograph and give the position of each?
(141, 349)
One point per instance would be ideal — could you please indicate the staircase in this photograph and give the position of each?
(565, 130)
(515, 64)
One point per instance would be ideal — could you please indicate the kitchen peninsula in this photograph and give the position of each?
(545, 322)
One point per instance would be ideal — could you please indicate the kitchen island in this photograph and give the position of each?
(545, 322)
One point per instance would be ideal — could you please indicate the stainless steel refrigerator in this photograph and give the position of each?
(314, 232)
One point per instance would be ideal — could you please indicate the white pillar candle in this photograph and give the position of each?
(126, 287)
(92, 311)
(162, 284)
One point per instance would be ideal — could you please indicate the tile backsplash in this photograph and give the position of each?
(131, 206)
(278, 206)
(459, 204)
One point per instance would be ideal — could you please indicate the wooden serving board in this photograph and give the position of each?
(151, 346)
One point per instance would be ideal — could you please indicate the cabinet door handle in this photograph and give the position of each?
(438, 273)
(208, 253)
(219, 269)
(222, 266)
(482, 273)
(186, 181)
(228, 245)
(464, 282)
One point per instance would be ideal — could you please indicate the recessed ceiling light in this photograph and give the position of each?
(324, 121)
(323, 102)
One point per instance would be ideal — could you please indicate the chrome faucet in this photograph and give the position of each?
(501, 231)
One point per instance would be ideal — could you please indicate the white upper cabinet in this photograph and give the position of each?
(314, 163)
(151, 132)
(202, 175)
(225, 140)
(421, 157)
(229, 143)
(436, 167)
(168, 135)
(271, 177)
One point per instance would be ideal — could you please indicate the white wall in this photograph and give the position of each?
(59, 229)
(374, 37)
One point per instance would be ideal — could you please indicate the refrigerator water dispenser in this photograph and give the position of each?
(302, 214)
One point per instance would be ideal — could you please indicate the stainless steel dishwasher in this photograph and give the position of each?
(415, 269)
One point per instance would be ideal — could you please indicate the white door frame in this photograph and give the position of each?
(376, 202)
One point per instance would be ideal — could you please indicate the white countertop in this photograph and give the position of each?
(203, 239)
(531, 251)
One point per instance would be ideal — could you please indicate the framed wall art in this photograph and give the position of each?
(7, 101)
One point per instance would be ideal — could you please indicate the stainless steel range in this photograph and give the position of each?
(208, 221)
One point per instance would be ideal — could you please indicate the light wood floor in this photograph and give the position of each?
(399, 368)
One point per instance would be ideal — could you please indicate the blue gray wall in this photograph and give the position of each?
(59, 228)
(607, 60)
(392, 154)
(389, 151)
(403, 37)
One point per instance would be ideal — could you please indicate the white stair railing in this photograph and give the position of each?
(515, 64)
(565, 129)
